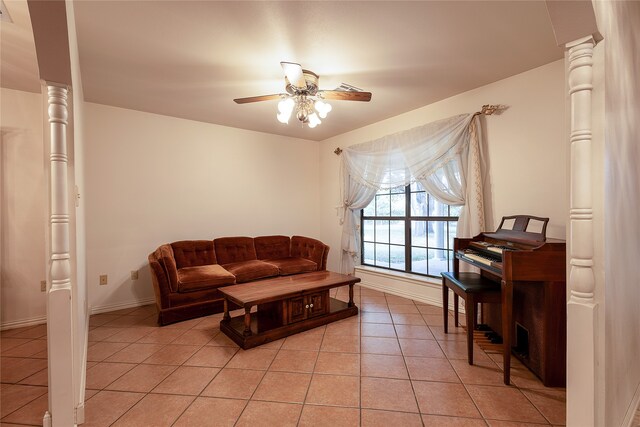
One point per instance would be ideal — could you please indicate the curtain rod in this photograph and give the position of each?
(486, 110)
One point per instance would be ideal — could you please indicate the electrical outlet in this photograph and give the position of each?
(43, 286)
(103, 279)
(134, 274)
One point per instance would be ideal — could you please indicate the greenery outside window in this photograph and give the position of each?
(407, 229)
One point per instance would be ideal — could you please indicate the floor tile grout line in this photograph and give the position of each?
(25, 404)
(461, 381)
(150, 392)
(304, 400)
(533, 404)
(404, 361)
(360, 363)
(254, 391)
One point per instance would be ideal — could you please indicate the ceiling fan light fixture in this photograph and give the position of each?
(302, 115)
(323, 108)
(303, 96)
(285, 108)
(313, 120)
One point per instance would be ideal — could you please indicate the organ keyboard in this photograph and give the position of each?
(532, 272)
(473, 257)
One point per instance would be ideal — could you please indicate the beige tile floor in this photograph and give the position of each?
(390, 366)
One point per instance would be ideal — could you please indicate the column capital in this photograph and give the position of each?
(56, 84)
(583, 40)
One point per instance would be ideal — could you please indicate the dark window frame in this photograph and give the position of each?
(407, 218)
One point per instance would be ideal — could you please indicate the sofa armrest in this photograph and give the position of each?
(168, 263)
(323, 265)
(159, 279)
(311, 249)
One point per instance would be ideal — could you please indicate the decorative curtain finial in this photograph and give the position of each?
(489, 109)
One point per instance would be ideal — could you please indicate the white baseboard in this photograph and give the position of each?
(634, 407)
(79, 412)
(422, 289)
(14, 324)
(121, 305)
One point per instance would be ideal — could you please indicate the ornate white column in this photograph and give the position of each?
(582, 309)
(59, 295)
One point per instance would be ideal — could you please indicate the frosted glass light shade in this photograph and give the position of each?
(285, 108)
(314, 120)
(322, 108)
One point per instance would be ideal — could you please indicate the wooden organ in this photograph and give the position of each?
(532, 272)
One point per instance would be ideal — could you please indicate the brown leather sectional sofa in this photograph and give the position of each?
(187, 274)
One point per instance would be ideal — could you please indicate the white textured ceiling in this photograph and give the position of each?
(190, 59)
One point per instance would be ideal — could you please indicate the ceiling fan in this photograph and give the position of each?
(303, 95)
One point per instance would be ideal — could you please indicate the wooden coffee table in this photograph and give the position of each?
(285, 306)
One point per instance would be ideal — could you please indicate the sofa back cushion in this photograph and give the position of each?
(272, 247)
(193, 253)
(234, 249)
(311, 249)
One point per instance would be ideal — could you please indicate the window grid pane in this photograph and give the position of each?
(368, 254)
(407, 229)
(419, 260)
(396, 257)
(396, 232)
(382, 231)
(368, 231)
(383, 205)
(397, 204)
(382, 255)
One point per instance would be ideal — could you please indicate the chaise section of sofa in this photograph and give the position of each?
(186, 275)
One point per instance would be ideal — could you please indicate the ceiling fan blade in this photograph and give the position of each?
(346, 96)
(256, 98)
(294, 74)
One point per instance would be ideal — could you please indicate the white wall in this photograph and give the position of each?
(618, 23)
(23, 197)
(526, 150)
(154, 179)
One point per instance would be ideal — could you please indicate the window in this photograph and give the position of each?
(406, 229)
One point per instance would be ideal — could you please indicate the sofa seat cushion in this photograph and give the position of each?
(192, 279)
(293, 265)
(246, 271)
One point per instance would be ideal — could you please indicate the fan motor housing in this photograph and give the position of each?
(310, 78)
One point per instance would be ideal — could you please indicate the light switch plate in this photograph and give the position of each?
(103, 279)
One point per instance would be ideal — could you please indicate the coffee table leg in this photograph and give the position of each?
(226, 316)
(247, 321)
(351, 303)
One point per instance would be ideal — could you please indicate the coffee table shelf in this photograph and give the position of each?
(264, 331)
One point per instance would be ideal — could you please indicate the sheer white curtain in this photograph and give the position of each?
(444, 156)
